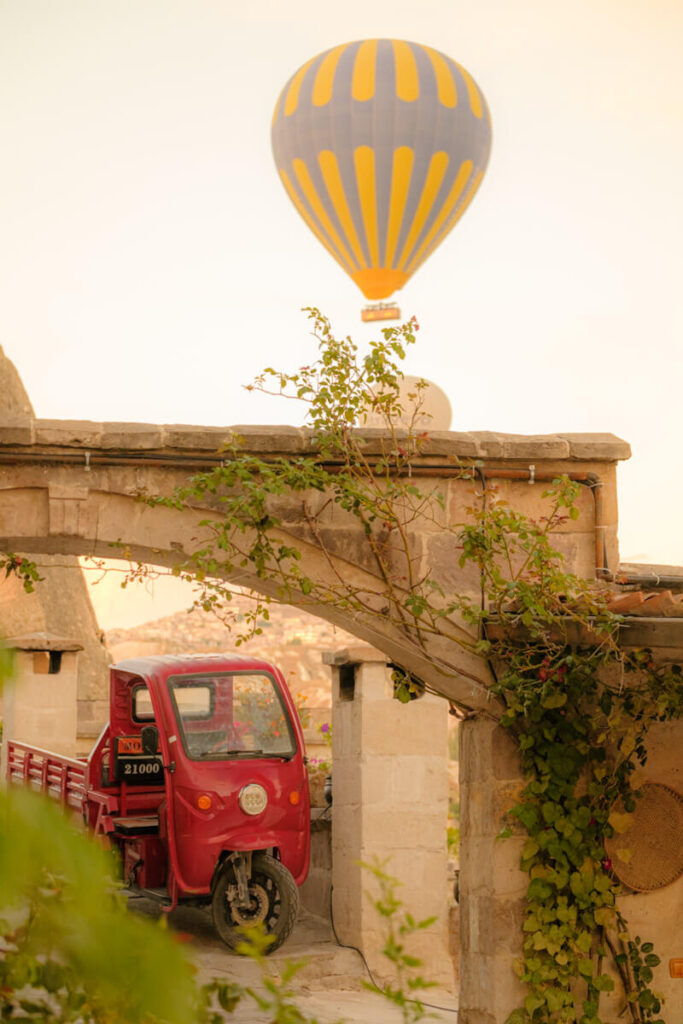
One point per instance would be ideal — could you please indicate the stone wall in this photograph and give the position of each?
(493, 887)
(41, 704)
(317, 889)
(61, 604)
(390, 808)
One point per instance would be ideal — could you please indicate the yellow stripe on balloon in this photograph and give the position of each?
(363, 81)
(330, 171)
(407, 80)
(293, 195)
(324, 78)
(292, 99)
(446, 210)
(308, 189)
(467, 200)
(435, 175)
(401, 172)
(456, 216)
(364, 159)
(476, 105)
(445, 83)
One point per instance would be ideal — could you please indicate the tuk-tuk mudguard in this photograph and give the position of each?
(281, 843)
(292, 846)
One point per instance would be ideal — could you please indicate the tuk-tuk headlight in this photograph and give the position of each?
(253, 798)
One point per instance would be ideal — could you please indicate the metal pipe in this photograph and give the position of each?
(646, 580)
(590, 480)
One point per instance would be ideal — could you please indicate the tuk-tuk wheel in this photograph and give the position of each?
(274, 901)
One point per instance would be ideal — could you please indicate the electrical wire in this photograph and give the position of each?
(345, 945)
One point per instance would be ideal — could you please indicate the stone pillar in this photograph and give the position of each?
(390, 801)
(40, 704)
(492, 886)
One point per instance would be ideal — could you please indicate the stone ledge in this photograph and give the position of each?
(17, 431)
(131, 435)
(41, 641)
(596, 447)
(634, 631)
(280, 439)
(355, 655)
(74, 433)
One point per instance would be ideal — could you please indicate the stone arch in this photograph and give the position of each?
(72, 488)
(63, 519)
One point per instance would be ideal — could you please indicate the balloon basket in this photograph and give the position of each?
(380, 311)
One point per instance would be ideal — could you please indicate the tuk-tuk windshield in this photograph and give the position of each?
(226, 717)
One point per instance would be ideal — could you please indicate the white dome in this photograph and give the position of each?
(434, 407)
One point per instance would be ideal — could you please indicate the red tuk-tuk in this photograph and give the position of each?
(200, 781)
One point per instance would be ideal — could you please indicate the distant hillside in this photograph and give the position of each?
(292, 639)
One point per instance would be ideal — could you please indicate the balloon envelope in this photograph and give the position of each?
(381, 145)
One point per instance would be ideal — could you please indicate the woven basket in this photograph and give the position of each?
(654, 839)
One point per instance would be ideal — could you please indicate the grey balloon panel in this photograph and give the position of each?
(383, 123)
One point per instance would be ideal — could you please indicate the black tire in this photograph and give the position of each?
(275, 902)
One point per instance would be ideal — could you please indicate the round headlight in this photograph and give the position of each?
(253, 798)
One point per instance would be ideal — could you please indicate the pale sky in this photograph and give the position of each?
(151, 263)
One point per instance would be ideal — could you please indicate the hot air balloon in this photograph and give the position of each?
(381, 145)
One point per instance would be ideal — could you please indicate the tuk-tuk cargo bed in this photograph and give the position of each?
(143, 825)
(60, 777)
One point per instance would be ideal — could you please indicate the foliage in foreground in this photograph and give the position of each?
(68, 949)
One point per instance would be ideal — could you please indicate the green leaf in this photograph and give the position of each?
(585, 967)
(538, 890)
(604, 916)
(555, 999)
(530, 848)
(517, 1017)
(527, 815)
(620, 822)
(555, 700)
(603, 983)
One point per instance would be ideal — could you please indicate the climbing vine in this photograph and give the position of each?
(579, 713)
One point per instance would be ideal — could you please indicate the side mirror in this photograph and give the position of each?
(149, 735)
